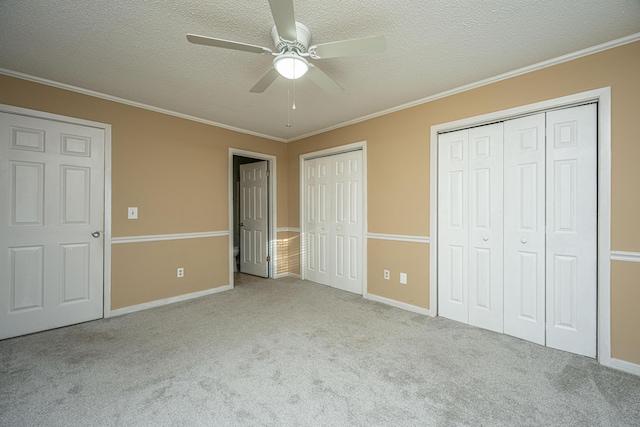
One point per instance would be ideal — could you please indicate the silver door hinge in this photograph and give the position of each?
(268, 173)
(268, 258)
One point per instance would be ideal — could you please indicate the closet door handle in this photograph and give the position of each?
(523, 241)
(485, 238)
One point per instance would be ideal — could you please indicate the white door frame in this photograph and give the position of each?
(106, 232)
(603, 97)
(362, 145)
(272, 186)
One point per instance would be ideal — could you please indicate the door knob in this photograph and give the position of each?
(242, 224)
(322, 228)
(524, 241)
(338, 229)
(96, 234)
(485, 238)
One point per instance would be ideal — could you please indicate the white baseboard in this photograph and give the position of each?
(161, 302)
(628, 367)
(398, 304)
(295, 276)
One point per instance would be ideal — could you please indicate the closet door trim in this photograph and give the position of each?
(603, 97)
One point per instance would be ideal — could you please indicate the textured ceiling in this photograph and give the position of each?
(138, 51)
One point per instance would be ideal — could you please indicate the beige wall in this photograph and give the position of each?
(398, 257)
(625, 315)
(176, 172)
(398, 174)
(141, 270)
(289, 252)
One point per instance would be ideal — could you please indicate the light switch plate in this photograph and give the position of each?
(403, 278)
(132, 213)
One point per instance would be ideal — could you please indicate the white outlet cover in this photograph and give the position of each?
(132, 213)
(403, 278)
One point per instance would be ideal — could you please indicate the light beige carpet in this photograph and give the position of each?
(294, 353)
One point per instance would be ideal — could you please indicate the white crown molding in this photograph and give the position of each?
(524, 70)
(398, 237)
(165, 301)
(625, 256)
(101, 95)
(161, 237)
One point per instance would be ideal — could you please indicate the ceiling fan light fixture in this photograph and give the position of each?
(290, 65)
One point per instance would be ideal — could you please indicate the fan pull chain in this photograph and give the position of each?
(288, 117)
(293, 107)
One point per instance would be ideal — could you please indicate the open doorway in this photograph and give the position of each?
(251, 215)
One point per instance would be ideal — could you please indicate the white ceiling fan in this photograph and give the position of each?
(291, 40)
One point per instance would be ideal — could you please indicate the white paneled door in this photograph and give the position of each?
(346, 215)
(333, 221)
(470, 220)
(254, 219)
(572, 224)
(317, 224)
(485, 227)
(453, 225)
(524, 228)
(51, 222)
(517, 227)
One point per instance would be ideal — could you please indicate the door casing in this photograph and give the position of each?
(106, 309)
(603, 97)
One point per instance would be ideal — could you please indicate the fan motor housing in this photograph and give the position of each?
(301, 44)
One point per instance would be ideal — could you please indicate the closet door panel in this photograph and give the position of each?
(485, 226)
(453, 227)
(346, 217)
(572, 229)
(316, 250)
(524, 228)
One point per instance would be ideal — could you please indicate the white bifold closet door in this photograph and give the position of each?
(517, 227)
(333, 221)
(470, 220)
(572, 229)
(524, 228)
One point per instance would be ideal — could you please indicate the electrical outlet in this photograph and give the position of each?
(132, 213)
(387, 275)
(180, 272)
(403, 278)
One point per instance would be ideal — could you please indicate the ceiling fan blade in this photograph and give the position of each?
(325, 82)
(374, 44)
(226, 44)
(265, 81)
(284, 18)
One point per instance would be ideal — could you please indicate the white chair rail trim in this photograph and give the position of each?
(399, 237)
(625, 256)
(160, 237)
